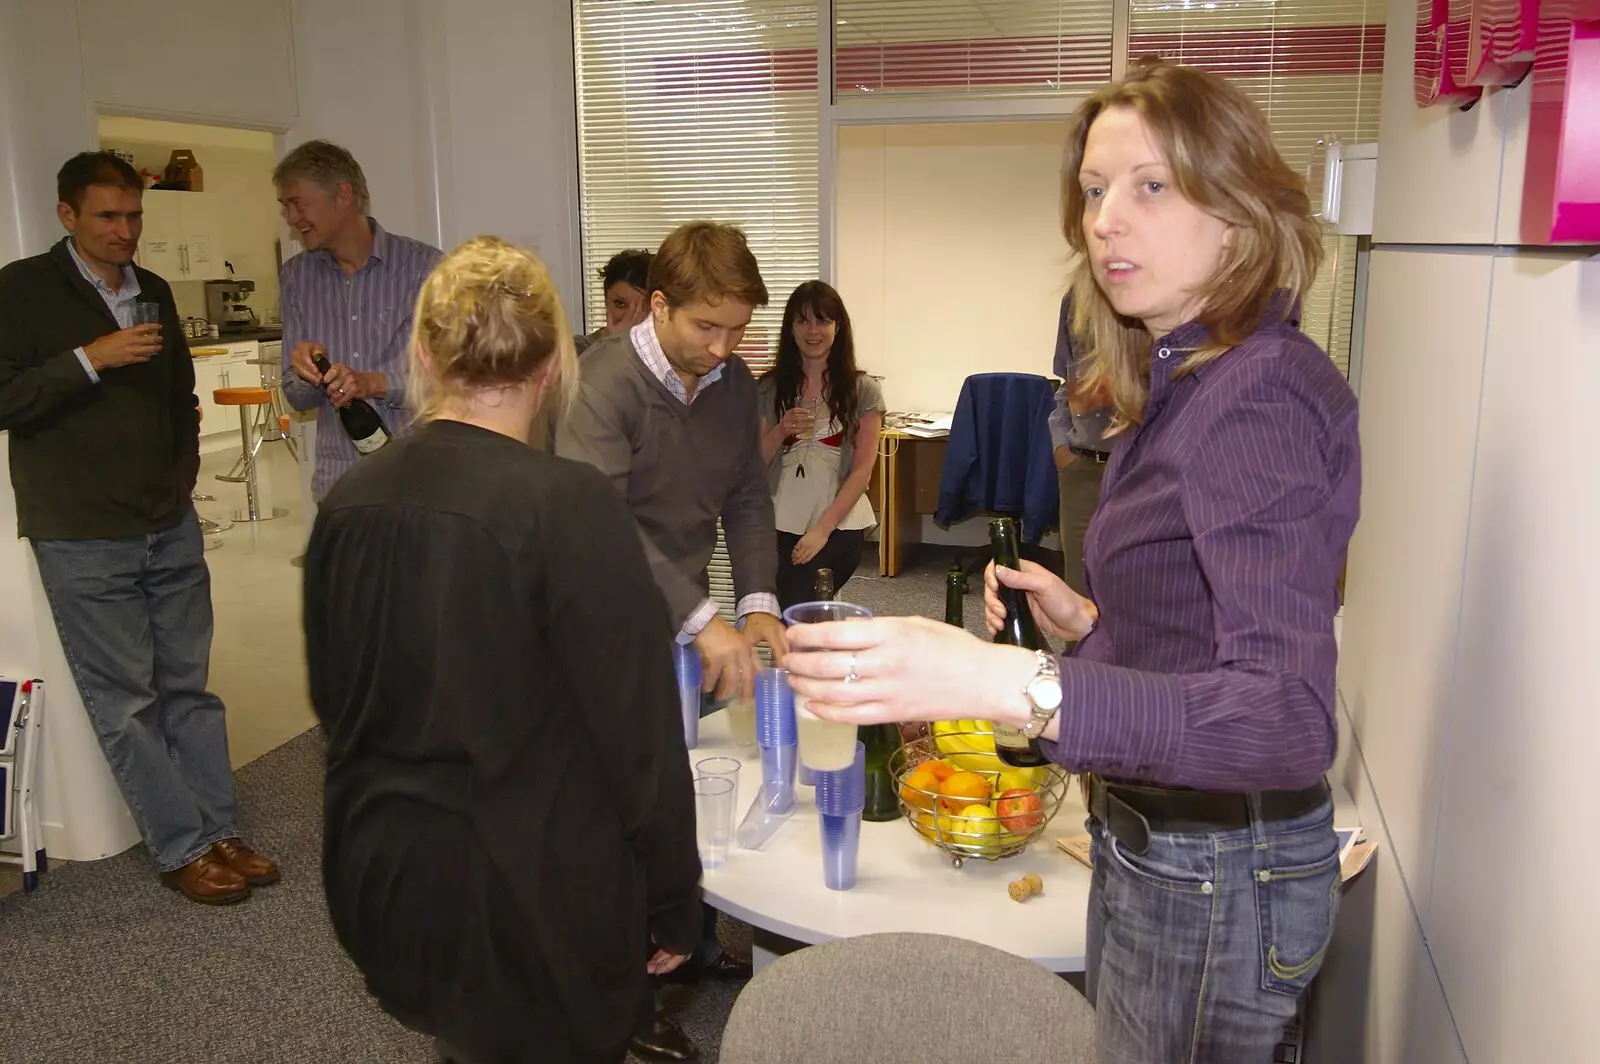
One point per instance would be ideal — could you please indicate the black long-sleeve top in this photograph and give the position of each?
(488, 649)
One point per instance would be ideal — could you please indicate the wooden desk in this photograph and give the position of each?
(905, 485)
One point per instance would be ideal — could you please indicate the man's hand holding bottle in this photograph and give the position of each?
(343, 384)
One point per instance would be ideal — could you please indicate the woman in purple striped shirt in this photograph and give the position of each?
(1200, 697)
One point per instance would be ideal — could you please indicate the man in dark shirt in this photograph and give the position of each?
(104, 455)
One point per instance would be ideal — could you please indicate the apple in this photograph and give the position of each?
(1020, 811)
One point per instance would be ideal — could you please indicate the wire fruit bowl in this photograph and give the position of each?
(1006, 826)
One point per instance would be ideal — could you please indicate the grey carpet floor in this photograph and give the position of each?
(103, 964)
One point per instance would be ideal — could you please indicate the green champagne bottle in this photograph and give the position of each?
(955, 591)
(1019, 630)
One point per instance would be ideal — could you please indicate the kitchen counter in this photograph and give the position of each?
(263, 334)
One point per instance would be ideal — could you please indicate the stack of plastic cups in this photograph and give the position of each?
(808, 777)
(775, 735)
(841, 796)
(686, 659)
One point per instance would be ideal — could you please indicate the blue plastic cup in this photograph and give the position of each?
(845, 791)
(772, 807)
(686, 660)
(777, 772)
(808, 777)
(841, 843)
(774, 708)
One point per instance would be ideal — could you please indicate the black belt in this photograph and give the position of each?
(1132, 812)
(1098, 457)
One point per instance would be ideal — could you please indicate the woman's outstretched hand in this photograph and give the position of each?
(906, 668)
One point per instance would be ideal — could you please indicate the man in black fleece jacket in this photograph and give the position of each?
(105, 450)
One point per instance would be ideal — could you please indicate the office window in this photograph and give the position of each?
(700, 109)
(1316, 68)
(899, 48)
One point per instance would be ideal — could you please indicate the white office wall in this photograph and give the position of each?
(950, 257)
(190, 58)
(460, 111)
(1513, 924)
(1467, 667)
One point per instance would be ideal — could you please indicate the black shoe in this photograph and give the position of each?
(728, 969)
(665, 1041)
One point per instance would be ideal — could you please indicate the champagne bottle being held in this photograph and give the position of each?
(1019, 630)
(361, 423)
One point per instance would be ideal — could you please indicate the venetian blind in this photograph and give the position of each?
(694, 109)
(888, 48)
(1315, 67)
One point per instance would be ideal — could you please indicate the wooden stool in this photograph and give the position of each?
(245, 467)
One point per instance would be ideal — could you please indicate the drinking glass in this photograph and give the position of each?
(147, 313)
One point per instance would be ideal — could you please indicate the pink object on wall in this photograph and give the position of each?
(1442, 32)
(1561, 179)
(1502, 36)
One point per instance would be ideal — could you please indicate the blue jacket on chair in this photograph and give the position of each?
(1000, 458)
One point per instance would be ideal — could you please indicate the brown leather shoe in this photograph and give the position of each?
(208, 880)
(258, 870)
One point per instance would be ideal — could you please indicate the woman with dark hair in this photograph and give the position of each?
(820, 417)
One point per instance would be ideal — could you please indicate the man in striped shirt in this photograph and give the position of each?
(347, 297)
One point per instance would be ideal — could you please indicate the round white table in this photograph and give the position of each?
(903, 883)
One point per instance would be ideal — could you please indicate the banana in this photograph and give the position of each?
(968, 745)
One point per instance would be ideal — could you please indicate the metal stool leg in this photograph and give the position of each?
(247, 457)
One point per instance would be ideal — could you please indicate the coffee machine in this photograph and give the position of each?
(226, 305)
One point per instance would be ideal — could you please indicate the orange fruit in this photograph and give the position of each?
(963, 789)
(942, 770)
(920, 786)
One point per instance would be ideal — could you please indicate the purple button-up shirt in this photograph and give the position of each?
(1214, 557)
(364, 321)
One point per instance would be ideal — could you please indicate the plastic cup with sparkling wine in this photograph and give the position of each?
(825, 745)
(742, 720)
(713, 816)
(686, 660)
(841, 797)
(147, 313)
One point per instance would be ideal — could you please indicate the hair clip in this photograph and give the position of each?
(511, 290)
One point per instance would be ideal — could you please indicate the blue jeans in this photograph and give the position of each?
(134, 615)
(1199, 948)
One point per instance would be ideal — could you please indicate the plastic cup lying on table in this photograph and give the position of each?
(825, 745)
(686, 660)
(841, 797)
(713, 818)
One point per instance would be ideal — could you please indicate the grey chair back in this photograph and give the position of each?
(912, 997)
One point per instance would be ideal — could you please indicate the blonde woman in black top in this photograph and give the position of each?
(509, 817)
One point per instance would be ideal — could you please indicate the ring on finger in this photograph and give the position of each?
(852, 676)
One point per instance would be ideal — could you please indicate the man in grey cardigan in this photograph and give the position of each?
(668, 412)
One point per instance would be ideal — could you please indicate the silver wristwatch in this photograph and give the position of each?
(1043, 694)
